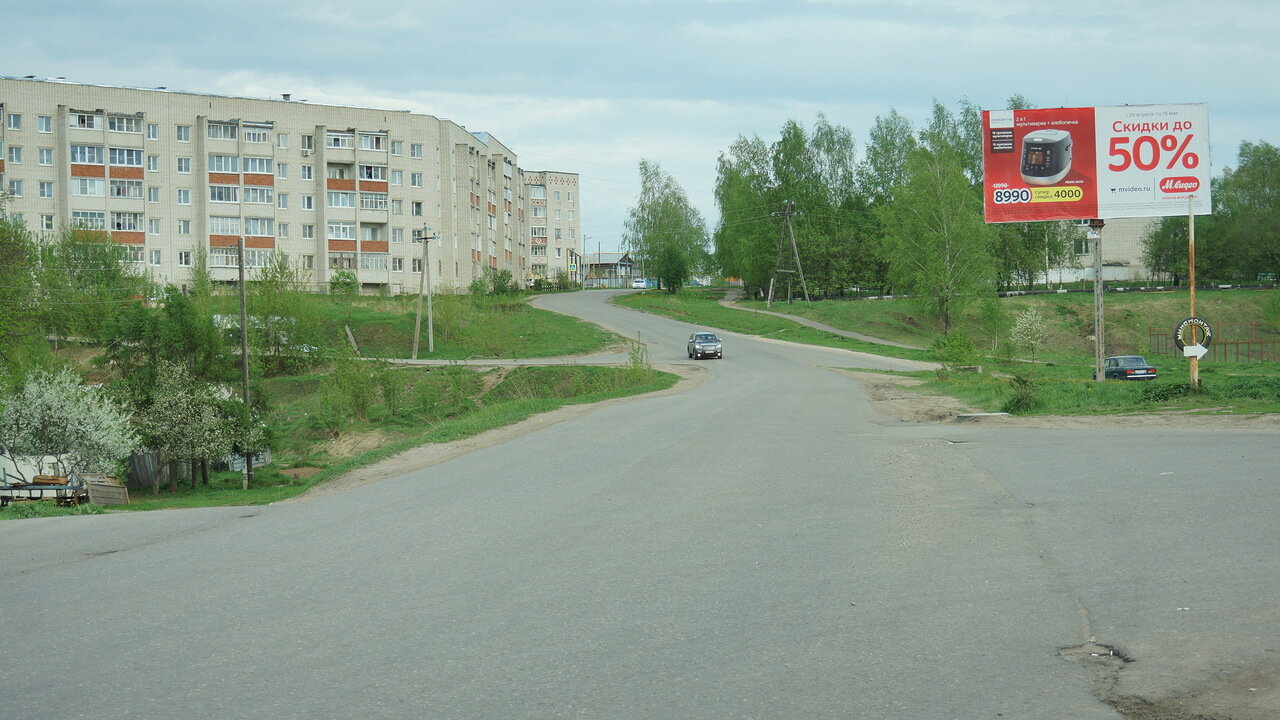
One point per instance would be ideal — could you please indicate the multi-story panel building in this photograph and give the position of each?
(333, 188)
(555, 239)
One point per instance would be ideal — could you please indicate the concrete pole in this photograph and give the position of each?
(1191, 280)
(1099, 341)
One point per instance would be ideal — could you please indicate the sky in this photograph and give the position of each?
(594, 87)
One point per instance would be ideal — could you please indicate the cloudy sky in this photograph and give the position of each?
(593, 87)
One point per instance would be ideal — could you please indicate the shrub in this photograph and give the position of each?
(344, 282)
(954, 350)
(1164, 392)
(1024, 396)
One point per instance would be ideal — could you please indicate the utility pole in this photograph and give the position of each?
(786, 214)
(425, 280)
(1098, 325)
(247, 475)
(1191, 280)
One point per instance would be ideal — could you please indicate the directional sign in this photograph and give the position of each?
(1181, 337)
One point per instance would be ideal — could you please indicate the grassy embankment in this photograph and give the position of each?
(1058, 379)
(347, 413)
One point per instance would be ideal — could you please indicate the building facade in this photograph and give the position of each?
(555, 237)
(333, 188)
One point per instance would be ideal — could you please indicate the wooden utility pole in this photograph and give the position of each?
(1099, 341)
(247, 475)
(786, 214)
(425, 281)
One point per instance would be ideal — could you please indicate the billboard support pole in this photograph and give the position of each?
(1191, 280)
(1098, 324)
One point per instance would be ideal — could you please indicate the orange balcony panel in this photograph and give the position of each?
(224, 178)
(506, 205)
(373, 185)
(378, 246)
(260, 180)
(475, 256)
(1, 166)
(90, 171)
(493, 209)
(128, 173)
(342, 246)
(128, 237)
(493, 262)
(260, 242)
(224, 240)
(340, 184)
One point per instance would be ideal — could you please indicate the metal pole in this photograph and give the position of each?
(1191, 280)
(247, 475)
(1098, 324)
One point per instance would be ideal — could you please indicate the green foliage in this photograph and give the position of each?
(284, 323)
(1166, 391)
(664, 229)
(1029, 331)
(954, 350)
(86, 279)
(344, 282)
(994, 321)
(1023, 399)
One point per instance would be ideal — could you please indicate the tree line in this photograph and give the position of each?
(907, 217)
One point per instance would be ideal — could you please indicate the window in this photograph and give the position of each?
(339, 140)
(184, 258)
(308, 202)
(15, 121)
(342, 261)
(184, 227)
(373, 172)
(307, 262)
(557, 233)
(258, 195)
(397, 147)
(259, 226)
(373, 201)
(182, 133)
(557, 213)
(44, 123)
(126, 221)
(415, 150)
(224, 193)
(308, 232)
(221, 131)
(88, 187)
(538, 232)
(222, 225)
(308, 142)
(282, 171)
(397, 264)
(342, 199)
(415, 208)
(342, 230)
(85, 121)
(132, 253)
(308, 172)
(184, 165)
(257, 135)
(153, 194)
(224, 163)
(45, 156)
(119, 123)
(153, 131)
(372, 142)
(86, 154)
(573, 234)
(259, 165)
(282, 201)
(415, 180)
(282, 140)
(538, 250)
(46, 222)
(370, 233)
(184, 196)
(397, 177)
(538, 192)
(15, 154)
(539, 211)
(569, 197)
(153, 163)
(417, 265)
(337, 172)
(374, 261)
(555, 195)
(89, 219)
(46, 189)
(282, 230)
(570, 214)
(153, 228)
(124, 157)
(126, 189)
(397, 207)
(397, 235)
(558, 250)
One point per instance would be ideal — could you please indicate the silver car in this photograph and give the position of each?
(705, 344)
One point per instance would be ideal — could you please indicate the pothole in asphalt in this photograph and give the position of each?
(1106, 662)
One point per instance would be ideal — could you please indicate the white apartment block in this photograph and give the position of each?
(555, 243)
(331, 187)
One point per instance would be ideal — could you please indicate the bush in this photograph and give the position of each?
(1024, 396)
(344, 282)
(1164, 392)
(954, 350)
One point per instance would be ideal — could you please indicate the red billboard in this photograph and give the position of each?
(1086, 163)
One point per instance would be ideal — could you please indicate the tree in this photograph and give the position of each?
(1250, 205)
(1029, 331)
(284, 325)
(19, 331)
(884, 168)
(665, 229)
(183, 421)
(936, 243)
(92, 280)
(57, 421)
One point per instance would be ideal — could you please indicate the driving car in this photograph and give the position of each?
(639, 283)
(705, 344)
(1127, 367)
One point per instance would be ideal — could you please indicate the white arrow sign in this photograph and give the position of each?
(1195, 351)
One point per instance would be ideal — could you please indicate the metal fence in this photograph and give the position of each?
(1232, 342)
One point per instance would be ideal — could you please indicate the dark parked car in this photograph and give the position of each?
(705, 344)
(1127, 367)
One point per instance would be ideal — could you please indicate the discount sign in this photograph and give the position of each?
(1085, 163)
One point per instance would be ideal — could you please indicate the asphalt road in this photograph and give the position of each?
(761, 546)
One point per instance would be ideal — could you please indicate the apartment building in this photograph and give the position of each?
(333, 188)
(555, 242)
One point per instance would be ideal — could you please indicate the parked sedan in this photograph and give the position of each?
(705, 344)
(1127, 367)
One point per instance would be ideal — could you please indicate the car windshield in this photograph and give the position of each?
(705, 338)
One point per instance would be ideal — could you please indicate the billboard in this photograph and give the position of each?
(1086, 163)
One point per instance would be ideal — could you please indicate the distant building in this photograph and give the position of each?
(555, 242)
(609, 270)
(333, 188)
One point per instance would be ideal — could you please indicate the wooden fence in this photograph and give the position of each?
(1232, 342)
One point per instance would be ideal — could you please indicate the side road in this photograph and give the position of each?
(731, 301)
